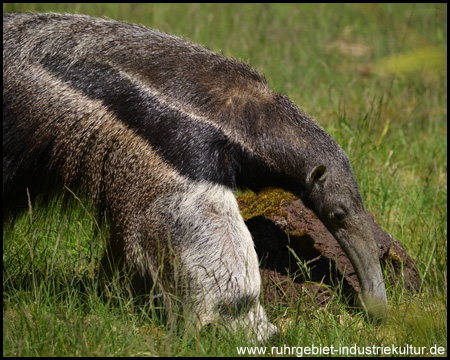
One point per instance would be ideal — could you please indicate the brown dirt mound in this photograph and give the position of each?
(289, 230)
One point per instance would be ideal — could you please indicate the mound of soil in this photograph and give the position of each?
(300, 259)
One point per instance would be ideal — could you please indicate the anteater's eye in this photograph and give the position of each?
(338, 214)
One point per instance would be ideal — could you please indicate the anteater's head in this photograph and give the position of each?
(334, 196)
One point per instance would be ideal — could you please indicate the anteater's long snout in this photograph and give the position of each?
(356, 239)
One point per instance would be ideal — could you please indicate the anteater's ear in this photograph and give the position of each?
(317, 176)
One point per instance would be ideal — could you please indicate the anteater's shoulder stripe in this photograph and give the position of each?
(194, 146)
(186, 110)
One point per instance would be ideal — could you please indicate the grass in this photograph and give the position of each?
(374, 76)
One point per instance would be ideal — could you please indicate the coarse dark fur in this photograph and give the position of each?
(158, 131)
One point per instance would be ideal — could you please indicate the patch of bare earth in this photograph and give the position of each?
(291, 230)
